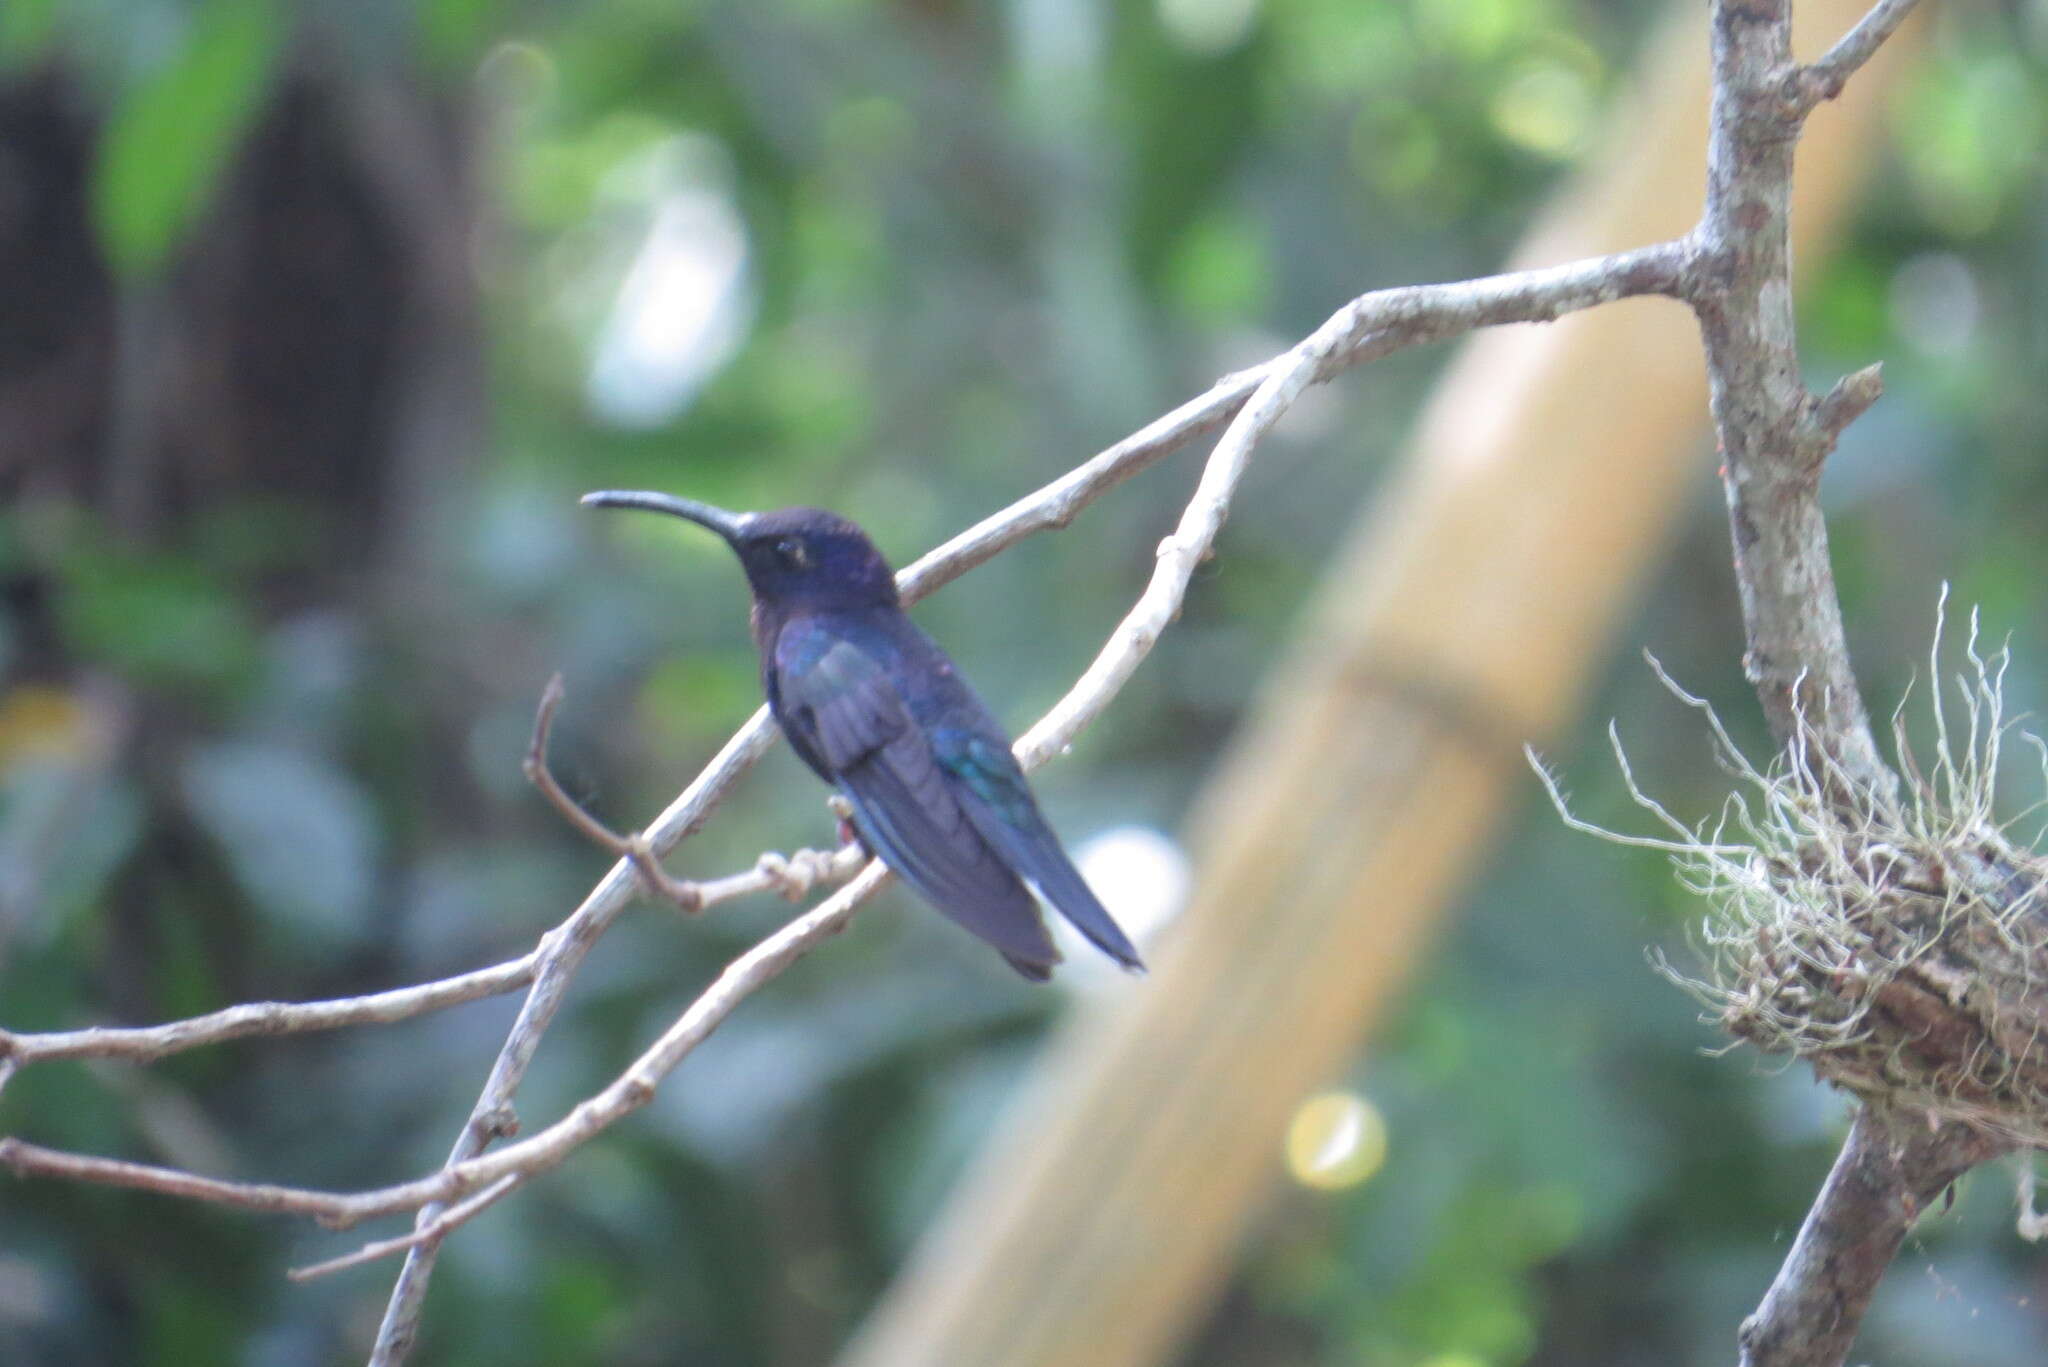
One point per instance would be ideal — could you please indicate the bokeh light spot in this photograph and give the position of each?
(1545, 108)
(1208, 27)
(1336, 1140)
(1934, 303)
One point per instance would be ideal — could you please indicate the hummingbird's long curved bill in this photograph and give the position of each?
(731, 526)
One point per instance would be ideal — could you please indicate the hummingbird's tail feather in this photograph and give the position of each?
(909, 817)
(1035, 853)
(1061, 884)
(998, 801)
(1036, 972)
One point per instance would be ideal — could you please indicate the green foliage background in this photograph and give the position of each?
(983, 240)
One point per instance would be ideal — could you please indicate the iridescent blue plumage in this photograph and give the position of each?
(876, 709)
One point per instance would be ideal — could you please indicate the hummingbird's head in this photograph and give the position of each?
(792, 556)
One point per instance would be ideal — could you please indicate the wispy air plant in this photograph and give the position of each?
(1898, 941)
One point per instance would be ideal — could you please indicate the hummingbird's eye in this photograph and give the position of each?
(792, 554)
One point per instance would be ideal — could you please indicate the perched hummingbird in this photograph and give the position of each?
(879, 712)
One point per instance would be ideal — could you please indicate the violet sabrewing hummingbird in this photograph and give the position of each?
(878, 711)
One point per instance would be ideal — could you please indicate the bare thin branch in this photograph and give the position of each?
(1849, 400)
(791, 876)
(540, 775)
(1824, 79)
(635, 849)
(24, 1159)
(1735, 272)
(144, 1044)
(524, 1158)
(1374, 325)
(431, 1232)
(563, 951)
(1371, 326)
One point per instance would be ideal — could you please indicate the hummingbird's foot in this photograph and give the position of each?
(792, 877)
(796, 876)
(849, 834)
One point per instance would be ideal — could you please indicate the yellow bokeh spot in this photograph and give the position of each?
(42, 722)
(1546, 108)
(1475, 28)
(1336, 1140)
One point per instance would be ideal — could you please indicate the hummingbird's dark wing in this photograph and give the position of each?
(999, 803)
(847, 719)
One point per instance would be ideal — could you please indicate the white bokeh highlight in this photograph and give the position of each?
(686, 301)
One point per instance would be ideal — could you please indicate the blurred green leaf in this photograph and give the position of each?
(26, 28)
(180, 1326)
(1970, 131)
(987, 240)
(574, 1305)
(170, 135)
(301, 835)
(452, 31)
(63, 837)
(1846, 313)
(159, 619)
(1218, 271)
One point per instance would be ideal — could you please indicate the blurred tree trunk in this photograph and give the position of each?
(305, 375)
(263, 429)
(314, 342)
(1463, 620)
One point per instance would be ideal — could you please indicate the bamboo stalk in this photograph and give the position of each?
(1463, 618)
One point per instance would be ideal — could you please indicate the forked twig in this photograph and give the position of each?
(635, 849)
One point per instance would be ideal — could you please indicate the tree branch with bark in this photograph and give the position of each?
(1775, 435)
(474, 1176)
(1733, 270)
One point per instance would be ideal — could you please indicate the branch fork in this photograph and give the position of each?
(1733, 270)
(1249, 401)
(635, 849)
